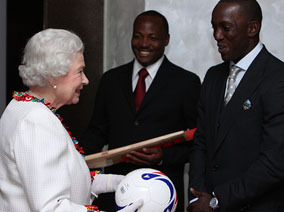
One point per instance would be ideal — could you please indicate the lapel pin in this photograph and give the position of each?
(247, 104)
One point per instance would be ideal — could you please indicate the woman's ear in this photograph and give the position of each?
(52, 82)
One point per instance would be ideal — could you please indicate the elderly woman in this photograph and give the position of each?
(41, 165)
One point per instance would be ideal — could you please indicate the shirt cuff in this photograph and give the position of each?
(193, 200)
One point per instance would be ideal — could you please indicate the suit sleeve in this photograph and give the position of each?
(267, 172)
(96, 135)
(41, 154)
(178, 154)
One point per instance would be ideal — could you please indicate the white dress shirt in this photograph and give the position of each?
(245, 62)
(152, 70)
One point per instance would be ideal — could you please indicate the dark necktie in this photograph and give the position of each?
(234, 70)
(140, 89)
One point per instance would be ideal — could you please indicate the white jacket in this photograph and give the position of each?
(40, 169)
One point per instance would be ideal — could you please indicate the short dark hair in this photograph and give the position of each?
(250, 8)
(157, 14)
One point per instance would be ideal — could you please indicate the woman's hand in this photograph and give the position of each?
(133, 207)
(104, 183)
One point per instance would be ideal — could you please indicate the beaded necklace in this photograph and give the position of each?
(24, 97)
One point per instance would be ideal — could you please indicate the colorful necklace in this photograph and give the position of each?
(22, 96)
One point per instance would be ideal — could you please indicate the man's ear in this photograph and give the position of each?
(254, 28)
(167, 39)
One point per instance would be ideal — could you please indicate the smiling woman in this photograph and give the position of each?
(68, 87)
(41, 163)
(53, 66)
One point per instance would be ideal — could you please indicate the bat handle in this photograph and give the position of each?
(188, 134)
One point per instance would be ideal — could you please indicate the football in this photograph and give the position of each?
(152, 186)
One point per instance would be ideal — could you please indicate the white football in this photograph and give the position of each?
(154, 187)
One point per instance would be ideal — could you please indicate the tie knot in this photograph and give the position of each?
(234, 70)
(143, 73)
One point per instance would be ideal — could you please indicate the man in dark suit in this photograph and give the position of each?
(237, 162)
(169, 105)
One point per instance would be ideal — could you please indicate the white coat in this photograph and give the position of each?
(40, 169)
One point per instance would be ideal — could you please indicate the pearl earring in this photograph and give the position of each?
(54, 86)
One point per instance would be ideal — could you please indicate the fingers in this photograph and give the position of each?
(149, 156)
(195, 193)
(114, 181)
(155, 154)
(189, 208)
(104, 183)
(152, 150)
(137, 204)
(133, 207)
(138, 158)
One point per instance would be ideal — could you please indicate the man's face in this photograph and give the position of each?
(231, 30)
(149, 39)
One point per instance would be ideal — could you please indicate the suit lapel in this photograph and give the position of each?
(126, 85)
(249, 83)
(219, 89)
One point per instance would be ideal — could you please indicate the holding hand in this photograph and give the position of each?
(148, 156)
(104, 183)
(133, 207)
(202, 204)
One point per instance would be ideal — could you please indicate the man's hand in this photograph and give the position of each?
(202, 204)
(148, 156)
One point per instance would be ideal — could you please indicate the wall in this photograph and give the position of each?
(24, 19)
(85, 18)
(192, 45)
(2, 55)
(119, 16)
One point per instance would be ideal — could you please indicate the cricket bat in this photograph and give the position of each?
(114, 156)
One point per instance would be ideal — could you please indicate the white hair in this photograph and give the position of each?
(48, 54)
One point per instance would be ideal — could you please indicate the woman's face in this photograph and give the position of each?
(68, 87)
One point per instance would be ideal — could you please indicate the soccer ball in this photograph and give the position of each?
(154, 187)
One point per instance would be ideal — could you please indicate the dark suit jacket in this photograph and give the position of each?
(169, 105)
(239, 151)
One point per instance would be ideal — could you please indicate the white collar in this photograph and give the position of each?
(246, 61)
(152, 69)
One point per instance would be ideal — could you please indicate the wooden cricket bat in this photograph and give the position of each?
(114, 156)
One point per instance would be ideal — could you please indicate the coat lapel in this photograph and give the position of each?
(125, 80)
(219, 89)
(249, 83)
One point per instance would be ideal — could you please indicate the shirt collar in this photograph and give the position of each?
(152, 69)
(245, 62)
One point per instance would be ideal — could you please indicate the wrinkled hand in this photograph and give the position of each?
(148, 156)
(104, 183)
(133, 207)
(202, 204)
